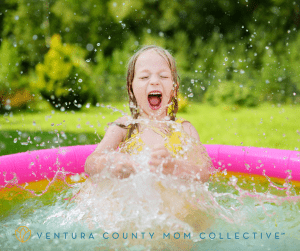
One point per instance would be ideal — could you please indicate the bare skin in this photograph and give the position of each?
(151, 73)
(124, 165)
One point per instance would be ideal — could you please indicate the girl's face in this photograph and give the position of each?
(152, 85)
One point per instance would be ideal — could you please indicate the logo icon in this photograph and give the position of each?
(22, 234)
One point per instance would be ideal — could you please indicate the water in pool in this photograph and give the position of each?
(151, 211)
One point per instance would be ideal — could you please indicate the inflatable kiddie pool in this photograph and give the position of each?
(35, 166)
(253, 169)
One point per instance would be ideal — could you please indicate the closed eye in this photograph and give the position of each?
(164, 77)
(145, 77)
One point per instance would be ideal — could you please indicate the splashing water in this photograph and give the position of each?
(150, 210)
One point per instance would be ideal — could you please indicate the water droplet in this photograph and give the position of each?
(109, 37)
(34, 124)
(294, 93)
(89, 47)
(191, 95)
(226, 59)
(267, 47)
(80, 80)
(242, 71)
(52, 124)
(98, 44)
(15, 140)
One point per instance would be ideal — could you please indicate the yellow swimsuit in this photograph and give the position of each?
(135, 144)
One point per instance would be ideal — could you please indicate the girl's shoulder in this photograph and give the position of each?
(119, 125)
(113, 135)
(188, 128)
(122, 120)
(185, 123)
(124, 125)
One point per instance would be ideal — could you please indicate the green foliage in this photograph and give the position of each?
(64, 79)
(14, 92)
(212, 43)
(9, 67)
(231, 93)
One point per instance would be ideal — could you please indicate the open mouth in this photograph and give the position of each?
(154, 99)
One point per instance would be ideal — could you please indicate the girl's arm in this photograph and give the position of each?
(205, 167)
(96, 162)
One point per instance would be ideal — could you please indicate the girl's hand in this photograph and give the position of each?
(123, 166)
(160, 155)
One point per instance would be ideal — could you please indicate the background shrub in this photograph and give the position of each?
(64, 77)
(231, 93)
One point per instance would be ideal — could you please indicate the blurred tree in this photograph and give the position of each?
(64, 78)
(201, 34)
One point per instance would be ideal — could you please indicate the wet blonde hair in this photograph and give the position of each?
(130, 76)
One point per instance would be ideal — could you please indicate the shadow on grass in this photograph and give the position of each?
(16, 142)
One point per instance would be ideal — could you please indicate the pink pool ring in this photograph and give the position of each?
(43, 164)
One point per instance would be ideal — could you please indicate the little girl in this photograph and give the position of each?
(152, 85)
(139, 170)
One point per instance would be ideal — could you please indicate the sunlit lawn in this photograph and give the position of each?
(266, 126)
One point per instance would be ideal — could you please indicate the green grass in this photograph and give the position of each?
(266, 126)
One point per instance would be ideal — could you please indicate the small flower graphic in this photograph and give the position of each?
(22, 234)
